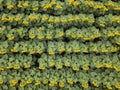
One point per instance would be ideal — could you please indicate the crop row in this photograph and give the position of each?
(78, 20)
(43, 33)
(61, 78)
(18, 61)
(77, 86)
(57, 8)
(54, 47)
(80, 61)
(74, 61)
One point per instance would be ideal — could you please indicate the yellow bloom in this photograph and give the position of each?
(76, 18)
(57, 20)
(111, 34)
(115, 19)
(85, 85)
(117, 9)
(116, 68)
(17, 19)
(32, 52)
(95, 49)
(37, 83)
(44, 18)
(85, 19)
(0, 52)
(10, 6)
(105, 9)
(75, 3)
(53, 2)
(114, 49)
(67, 64)
(14, 50)
(51, 64)
(89, 3)
(87, 38)
(73, 36)
(59, 67)
(25, 4)
(108, 66)
(109, 87)
(61, 84)
(77, 51)
(51, 52)
(20, 6)
(27, 66)
(85, 51)
(118, 21)
(41, 67)
(50, 20)
(118, 43)
(4, 19)
(64, 21)
(102, 25)
(22, 84)
(96, 36)
(48, 37)
(61, 35)
(111, 4)
(31, 36)
(59, 6)
(9, 19)
(25, 22)
(117, 33)
(99, 66)
(56, 82)
(71, 19)
(101, 7)
(47, 6)
(104, 50)
(62, 50)
(70, 82)
(1, 68)
(32, 17)
(35, 9)
(51, 84)
(71, 1)
(117, 85)
(40, 37)
(91, 21)
(28, 81)
(25, 50)
(97, 7)
(39, 51)
(95, 84)
(3, 52)
(1, 82)
(75, 68)
(11, 38)
(13, 82)
(86, 68)
(16, 67)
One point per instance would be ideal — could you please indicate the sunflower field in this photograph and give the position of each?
(59, 44)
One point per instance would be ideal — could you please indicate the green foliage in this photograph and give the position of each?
(59, 45)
